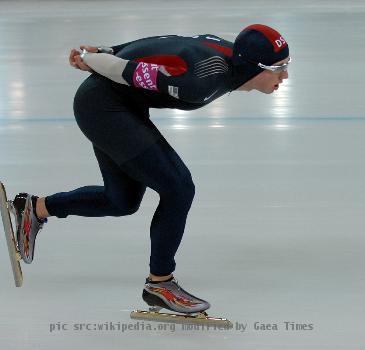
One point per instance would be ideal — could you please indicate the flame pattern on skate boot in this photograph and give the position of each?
(26, 230)
(170, 296)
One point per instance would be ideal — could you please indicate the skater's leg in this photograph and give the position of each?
(161, 169)
(118, 130)
(120, 195)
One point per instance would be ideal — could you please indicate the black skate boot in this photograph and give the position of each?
(170, 295)
(27, 224)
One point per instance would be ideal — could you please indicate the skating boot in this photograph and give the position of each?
(27, 223)
(170, 295)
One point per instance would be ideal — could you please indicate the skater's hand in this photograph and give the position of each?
(76, 60)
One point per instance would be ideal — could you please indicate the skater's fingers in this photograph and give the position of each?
(71, 58)
(80, 62)
(75, 65)
(81, 65)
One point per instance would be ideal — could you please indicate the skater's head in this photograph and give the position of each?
(260, 59)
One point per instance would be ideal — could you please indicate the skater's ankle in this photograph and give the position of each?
(41, 210)
(154, 278)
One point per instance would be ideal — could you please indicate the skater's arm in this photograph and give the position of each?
(175, 81)
(107, 65)
(76, 61)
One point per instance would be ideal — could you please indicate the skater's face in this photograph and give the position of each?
(267, 81)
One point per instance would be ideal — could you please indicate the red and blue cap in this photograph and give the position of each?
(256, 43)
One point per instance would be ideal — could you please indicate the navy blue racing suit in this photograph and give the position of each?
(162, 72)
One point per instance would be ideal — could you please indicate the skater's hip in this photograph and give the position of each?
(101, 94)
(96, 102)
(118, 127)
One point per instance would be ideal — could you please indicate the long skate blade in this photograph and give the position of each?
(10, 238)
(201, 318)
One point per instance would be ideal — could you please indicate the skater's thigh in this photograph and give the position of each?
(160, 168)
(113, 122)
(119, 187)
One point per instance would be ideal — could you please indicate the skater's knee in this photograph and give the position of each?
(125, 208)
(182, 188)
(185, 187)
(189, 189)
